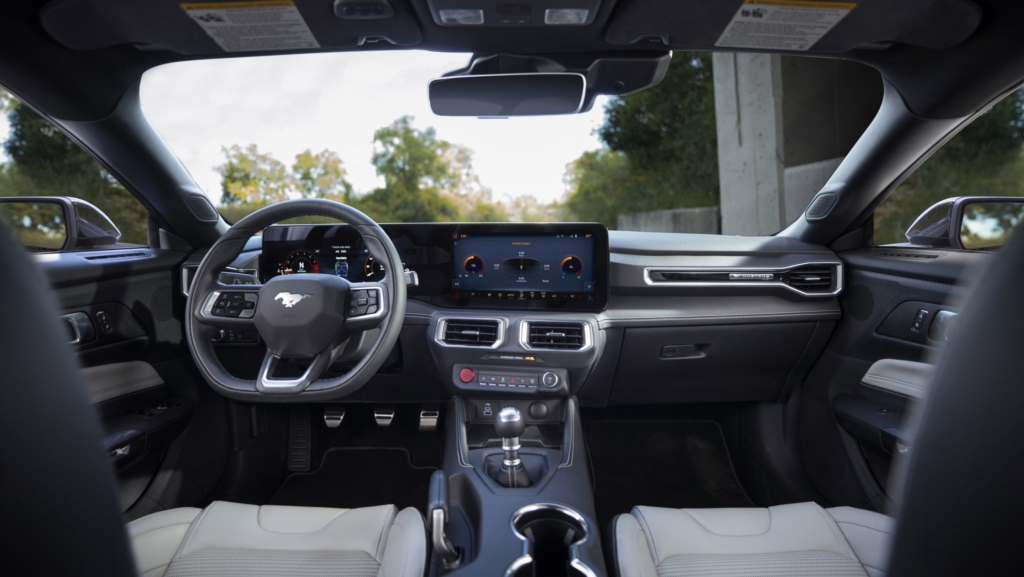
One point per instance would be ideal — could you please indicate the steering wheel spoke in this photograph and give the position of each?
(229, 307)
(268, 383)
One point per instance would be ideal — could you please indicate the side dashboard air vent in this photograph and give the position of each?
(914, 255)
(812, 279)
(470, 332)
(558, 336)
(117, 256)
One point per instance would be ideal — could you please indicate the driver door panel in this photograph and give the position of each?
(123, 310)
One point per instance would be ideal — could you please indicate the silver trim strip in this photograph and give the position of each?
(524, 335)
(271, 383)
(442, 324)
(741, 270)
(185, 285)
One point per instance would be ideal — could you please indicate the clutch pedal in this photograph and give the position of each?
(333, 416)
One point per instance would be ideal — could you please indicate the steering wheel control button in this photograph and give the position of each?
(467, 375)
(235, 305)
(549, 380)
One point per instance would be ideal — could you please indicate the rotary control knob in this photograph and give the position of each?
(549, 380)
(217, 335)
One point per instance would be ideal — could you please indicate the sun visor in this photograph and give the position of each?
(230, 27)
(793, 25)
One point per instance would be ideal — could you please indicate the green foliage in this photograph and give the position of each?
(45, 162)
(425, 180)
(984, 159)
(662, 149)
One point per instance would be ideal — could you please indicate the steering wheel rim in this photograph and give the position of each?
(205, 287)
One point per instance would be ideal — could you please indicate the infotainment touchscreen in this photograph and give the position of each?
(542, 267)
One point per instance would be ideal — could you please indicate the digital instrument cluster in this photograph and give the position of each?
(318, 250)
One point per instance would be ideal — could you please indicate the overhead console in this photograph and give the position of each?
(530, 267)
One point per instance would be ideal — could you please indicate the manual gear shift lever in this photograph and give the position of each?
(509, 425)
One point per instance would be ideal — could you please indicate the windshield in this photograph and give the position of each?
(358, 128)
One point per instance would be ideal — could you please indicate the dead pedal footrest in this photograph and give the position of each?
(300, 439)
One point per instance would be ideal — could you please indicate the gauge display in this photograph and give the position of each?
(372, 269)
(473, 264)
(299, 262)
(572, 265)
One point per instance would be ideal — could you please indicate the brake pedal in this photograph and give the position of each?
(300, 438)
(333, 416)
(428, 417)
(383, 414)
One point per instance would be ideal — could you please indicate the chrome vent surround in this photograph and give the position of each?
(476, 333)
(556, 336)
(812, 279)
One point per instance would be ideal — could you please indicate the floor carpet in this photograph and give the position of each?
(359, 477)
(660, 463)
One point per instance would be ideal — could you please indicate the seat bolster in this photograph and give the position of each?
(156, 537)
(405, 548)
(869, 534)
(633, 556)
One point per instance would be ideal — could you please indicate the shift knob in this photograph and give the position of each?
(509, 423)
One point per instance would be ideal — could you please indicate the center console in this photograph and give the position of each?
(511, 326)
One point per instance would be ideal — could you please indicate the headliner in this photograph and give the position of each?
(962, 71)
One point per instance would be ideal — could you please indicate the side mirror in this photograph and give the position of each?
(55, 223)
(968, 223)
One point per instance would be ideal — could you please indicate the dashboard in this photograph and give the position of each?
(479, 265)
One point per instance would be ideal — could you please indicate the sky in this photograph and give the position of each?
(286, 104)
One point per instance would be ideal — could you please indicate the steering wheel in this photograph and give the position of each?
(308, 317)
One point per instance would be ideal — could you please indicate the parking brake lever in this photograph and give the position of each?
(437, 510)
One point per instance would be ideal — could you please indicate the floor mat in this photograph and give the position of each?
(660, 463)
(359, 477)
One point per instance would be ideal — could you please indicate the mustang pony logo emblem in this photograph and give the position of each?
(290, 299)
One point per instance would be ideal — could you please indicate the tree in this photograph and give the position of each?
(410, 161)
(252, 177)
(984, 159)
(45, 162)
(320, 175)
(661, 151)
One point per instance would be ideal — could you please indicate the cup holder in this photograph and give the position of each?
(552, 536)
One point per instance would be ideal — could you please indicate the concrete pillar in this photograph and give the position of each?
(784, 124)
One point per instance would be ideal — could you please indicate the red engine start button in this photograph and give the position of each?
(467, 375)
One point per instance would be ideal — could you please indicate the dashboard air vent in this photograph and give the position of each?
(812, 279)
(561, 336)
(117, 256)
(893, 254)
(471, 332)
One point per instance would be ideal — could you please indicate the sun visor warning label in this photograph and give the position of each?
(782, 24)
(253, 26)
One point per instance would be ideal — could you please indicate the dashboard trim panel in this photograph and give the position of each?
(745, 270)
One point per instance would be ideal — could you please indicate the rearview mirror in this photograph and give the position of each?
(53, 223)
(502, 95)
(968, 222)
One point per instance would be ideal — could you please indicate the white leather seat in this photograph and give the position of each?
(233, 539)
(788, 540)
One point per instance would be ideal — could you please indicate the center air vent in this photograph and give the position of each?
(812, 279)
(470, 332)
(558, 336)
